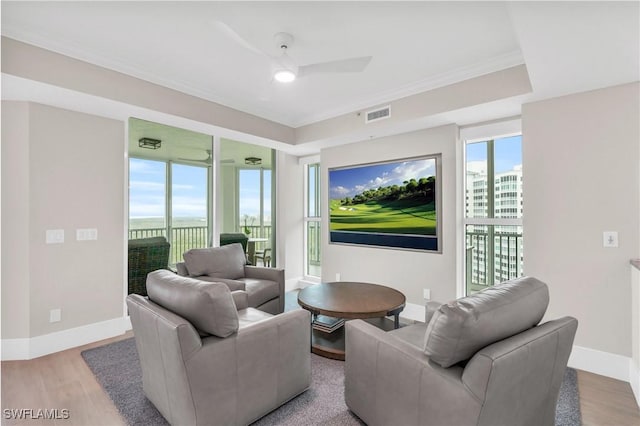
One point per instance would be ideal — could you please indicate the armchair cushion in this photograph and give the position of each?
(460, 328)
(210, 307)
(218, 262)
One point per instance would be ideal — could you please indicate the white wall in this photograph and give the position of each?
(227, 186)
(580, 155)
(71, 178)
(289, 225)
(15, 220)
(407, 271)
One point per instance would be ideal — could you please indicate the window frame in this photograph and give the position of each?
(468, 135)
(306, 163)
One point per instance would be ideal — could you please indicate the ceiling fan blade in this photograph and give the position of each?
(230, 33)
(340, 66)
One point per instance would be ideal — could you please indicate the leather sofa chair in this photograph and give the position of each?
(228, 264)
(209, 359)
(479, 360)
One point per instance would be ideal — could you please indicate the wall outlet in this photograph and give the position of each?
(55, 315)
(55, 236)
(426, 293)
(610, 239)
(337, 276)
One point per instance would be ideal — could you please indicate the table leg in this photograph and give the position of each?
(396, 320)
(251, 252)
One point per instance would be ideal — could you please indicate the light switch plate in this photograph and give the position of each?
(55, 236)
(55, 315)
(86, 234)
(610, 239)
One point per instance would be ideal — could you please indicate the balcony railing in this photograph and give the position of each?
(186, 238)
(492, 256)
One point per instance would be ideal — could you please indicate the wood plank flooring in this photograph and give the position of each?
(63, 380)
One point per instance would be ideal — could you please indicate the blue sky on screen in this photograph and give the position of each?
(351, 181)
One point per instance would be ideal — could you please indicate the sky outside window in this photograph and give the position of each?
(147, 190)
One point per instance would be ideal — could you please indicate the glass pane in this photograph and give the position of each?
(313, 191)
(188, 209)
(508, 177)
(147, 198)
(493, 255)
(476, 194)
(313, 249)
(249, 201)
(266, 198)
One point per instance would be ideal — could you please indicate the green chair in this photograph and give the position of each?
(146, 255)
(234, 237)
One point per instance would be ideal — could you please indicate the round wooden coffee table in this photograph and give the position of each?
(349, 300)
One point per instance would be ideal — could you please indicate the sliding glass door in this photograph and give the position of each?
(170, 186)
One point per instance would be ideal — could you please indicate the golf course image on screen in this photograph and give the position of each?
(391, 204)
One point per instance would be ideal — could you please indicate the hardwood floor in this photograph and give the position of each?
(63, 381)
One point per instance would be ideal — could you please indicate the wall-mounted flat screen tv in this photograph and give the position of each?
(391, 204)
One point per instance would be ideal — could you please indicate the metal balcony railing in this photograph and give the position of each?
(492, 256)
(186, 238)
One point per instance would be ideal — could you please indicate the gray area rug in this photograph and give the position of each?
(117, 368)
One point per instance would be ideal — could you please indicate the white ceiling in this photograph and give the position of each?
(416, 46)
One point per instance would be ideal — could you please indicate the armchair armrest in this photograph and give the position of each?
(377, 361)
(271, 274)
(241, 299)
(261, 273)
(181, 269)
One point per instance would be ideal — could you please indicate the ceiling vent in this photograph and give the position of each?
(378, 114)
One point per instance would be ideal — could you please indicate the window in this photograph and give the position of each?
(171, 200)
(312, 219)
(170, 186)
(493, 212)
(254, 206)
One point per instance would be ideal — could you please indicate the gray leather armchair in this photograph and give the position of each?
(209, 359)
(228, 264)
(479, 360)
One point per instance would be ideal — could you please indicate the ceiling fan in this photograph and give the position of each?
(207, 160)
(284, 68)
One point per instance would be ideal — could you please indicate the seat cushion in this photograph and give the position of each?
(208, 306)
(260, 291)
(216, 262)
(460, 328)
(251, 316)
(234, 285)
(413, 334)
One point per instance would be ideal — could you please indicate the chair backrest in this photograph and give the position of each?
(146, 255)
(518, 378)
(164, 340)
(234, 237)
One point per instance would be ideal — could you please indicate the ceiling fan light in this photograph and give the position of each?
(284, 76)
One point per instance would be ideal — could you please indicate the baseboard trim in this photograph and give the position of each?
(12, 349)
(29, 348)
(413, 312)
(599, 362)
(634, 376)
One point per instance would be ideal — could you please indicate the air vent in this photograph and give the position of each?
(378, 114)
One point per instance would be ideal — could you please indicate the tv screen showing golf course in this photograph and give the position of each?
(388, 204)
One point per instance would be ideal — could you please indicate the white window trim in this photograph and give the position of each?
(305, 162)
(468, 134)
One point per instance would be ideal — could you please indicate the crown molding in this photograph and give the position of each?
(495, 64)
